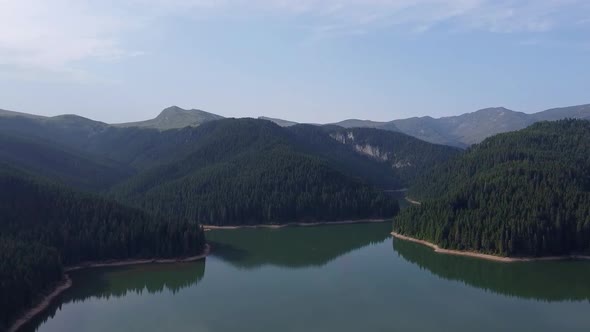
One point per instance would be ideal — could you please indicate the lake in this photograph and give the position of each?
(327, 278)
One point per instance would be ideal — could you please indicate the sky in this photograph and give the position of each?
(309, 60)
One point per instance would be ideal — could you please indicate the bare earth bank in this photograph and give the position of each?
(67, 282)
(486, 256)
(301, 224)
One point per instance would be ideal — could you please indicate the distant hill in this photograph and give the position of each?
(427, 129)
(575, 112)
(280, 122)
(466, 129)
(459, 131)
(72, 167)
(5, 113)
(471, 128)
(355, 123)
(524, 193)
(174, 117)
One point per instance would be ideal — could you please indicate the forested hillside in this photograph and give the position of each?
(406, 156)
(230, 171)
(524, 193)
(250, 172)
(44, 226)
(53, 160)
(317, 141)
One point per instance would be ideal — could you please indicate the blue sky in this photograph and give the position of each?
(308, 60)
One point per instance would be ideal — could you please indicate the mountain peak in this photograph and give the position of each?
(280, 122)
(174, 117)
(176, 109)
(173, 108)
(500, 109)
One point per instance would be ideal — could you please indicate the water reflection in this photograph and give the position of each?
(293, 247)
(106, 283)
(546, 281)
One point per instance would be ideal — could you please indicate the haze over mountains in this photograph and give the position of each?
(459, 131)
(470, 128)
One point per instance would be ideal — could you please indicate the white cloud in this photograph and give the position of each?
(55, 35)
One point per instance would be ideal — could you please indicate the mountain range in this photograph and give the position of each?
(459, 131)
(469, 128)
(77, 190)
(203, 172)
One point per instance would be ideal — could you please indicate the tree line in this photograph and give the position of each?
(525, 193)
(44, 227)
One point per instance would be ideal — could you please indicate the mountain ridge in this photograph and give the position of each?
(459, 130)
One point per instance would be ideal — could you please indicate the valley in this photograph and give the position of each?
(79, 192)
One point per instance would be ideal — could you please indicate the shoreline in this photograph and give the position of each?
(488, 257)
(131, 262)
(411, 201)
(297, 224)
(66, 283)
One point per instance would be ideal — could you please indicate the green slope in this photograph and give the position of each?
(66, 165)
(43, 226)
(252, 171)
(521, 193)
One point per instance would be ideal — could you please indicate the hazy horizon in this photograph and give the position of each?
(152, 115)
(305, 61)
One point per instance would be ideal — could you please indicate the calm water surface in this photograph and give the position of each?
(330, 278)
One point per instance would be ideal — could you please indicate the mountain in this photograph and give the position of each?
(70, 130)
(524, 193)
(44, 226)
(575, 112)
(408, 157)
(139, 149)
(355, 123)
(280, 122)
(425, 128)
(133, 147)
(175, 117)
(466, 129)
(5, 113)
(471, 128)
(69, 166)
(459, 131)
(246, 171)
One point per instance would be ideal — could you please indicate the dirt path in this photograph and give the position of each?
(67, 282)
(486, 256)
